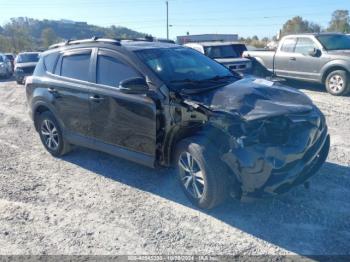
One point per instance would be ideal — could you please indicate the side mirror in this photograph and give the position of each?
(314, 52)
(137, 85)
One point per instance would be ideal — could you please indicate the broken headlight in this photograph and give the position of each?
(274, 131)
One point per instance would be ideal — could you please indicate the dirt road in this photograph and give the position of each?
(93, 203)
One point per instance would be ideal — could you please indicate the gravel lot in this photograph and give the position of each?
(92, 203)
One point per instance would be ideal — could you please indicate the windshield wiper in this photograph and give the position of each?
(219, 78)
(212, 79)
(187, 80)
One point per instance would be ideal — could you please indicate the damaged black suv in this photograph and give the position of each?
(163, 105)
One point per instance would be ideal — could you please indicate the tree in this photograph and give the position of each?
(48, 37)
(298, 25)
(340, 22)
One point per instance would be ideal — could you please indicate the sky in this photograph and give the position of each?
(243, 17)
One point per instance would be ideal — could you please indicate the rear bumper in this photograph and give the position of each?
(271, 170)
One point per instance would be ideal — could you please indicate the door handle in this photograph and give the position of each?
(292, 58)
(96, 98)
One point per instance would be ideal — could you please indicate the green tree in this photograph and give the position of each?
(340, 22)
(48, 37)
(298, 25)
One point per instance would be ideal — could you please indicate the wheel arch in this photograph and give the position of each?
(327, 70)
(41, 107)
(205, 132)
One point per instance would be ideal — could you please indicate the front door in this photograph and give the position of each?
(124, 120)
(307, 67)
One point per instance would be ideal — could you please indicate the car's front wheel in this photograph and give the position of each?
(51, 135)
(202, 175)
(338, 83)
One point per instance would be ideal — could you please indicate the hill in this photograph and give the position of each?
(24, 33)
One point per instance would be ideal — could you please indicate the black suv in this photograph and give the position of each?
(161, 105)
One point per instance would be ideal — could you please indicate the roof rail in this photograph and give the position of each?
(86, 41)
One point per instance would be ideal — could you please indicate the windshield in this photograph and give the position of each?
(335, 42)
(224, 51)
(27, 58)
(185, 67)
(10, 57)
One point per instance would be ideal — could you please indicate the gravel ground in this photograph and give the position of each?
(92, 203)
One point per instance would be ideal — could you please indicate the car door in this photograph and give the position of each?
(70, 91)
(124, 120)
(284, 58)
(307, 67)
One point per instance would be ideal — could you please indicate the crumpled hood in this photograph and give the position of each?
(253, 99)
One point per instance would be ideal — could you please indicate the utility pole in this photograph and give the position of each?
(167, 20)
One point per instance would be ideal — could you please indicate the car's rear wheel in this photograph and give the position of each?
(202, 175)
(337, 83)
(51, 135)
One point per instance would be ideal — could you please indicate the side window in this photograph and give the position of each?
(111, 71)
(50, 61)
(288, 45)
(304, 45)
(76, 66)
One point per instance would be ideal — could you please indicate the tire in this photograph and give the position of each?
(212, 178)
(338, 83)
(51, 135)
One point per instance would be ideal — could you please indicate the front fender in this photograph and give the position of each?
(336, 65)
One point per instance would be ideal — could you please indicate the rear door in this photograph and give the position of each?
(124, 120)
(70, 90)
(285, 57)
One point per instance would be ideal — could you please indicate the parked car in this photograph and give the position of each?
(162, 105)
(11, 58)
(227, 53)
(322, 58)
(24, 65)
(5, 67)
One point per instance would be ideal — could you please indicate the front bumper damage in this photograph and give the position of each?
(270, 169)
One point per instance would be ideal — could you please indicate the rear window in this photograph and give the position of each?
(28, 58)
(76, 66)
(50, 62)
(225, 51)
(240, 49)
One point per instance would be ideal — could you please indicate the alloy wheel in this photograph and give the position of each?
(336, 83)
(50, 134)
(191, 175)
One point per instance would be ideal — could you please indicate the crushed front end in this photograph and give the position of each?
(269, 156)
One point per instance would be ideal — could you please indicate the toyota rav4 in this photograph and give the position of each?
(163, 105)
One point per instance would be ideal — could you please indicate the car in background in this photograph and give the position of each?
(320, 57)
(24, 65)
(5, 67)
(11, 58)
(227, 53)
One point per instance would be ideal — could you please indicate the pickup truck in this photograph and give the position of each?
(322, 58)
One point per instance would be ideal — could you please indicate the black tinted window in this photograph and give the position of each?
(111, 71)
(76, 66)
(1, 59)
(50, 61)
(288, 45)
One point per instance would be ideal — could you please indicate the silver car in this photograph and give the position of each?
(5, 66)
